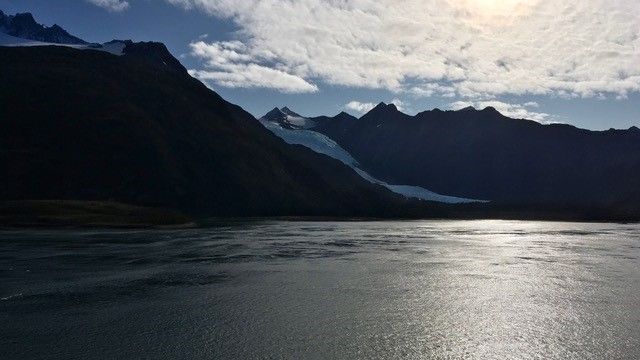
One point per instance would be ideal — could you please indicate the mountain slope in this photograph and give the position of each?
(517, 163)
(295, 129)
(138, 129)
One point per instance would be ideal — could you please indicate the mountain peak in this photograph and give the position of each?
(386, 111)
(24, 26)
(153, 53)
(289, 112)
(490, 111)
(345, 117)
(273, 114)
(381, 105)
(288, 119)
(468, 108)
(384, 107)
(26, 17)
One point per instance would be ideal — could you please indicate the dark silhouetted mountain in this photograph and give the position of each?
(336, 126)
(138, 129)
(482, 154)
(24, 26)
(154, 54)
(289, 119)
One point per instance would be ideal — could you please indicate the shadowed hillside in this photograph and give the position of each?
(88, 125)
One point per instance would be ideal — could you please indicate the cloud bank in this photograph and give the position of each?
(229, 64)
(468, 48)
(111, 5)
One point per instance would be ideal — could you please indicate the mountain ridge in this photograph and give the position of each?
(483, 154)
(23, 25)
(163, 139)
(278, 122)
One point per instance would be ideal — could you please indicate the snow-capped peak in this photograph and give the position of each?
(288, 119)
(22, 30)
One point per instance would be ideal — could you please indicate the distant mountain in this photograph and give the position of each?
(288, 119)
(296, 129)
(23, 30)
(515, 163)
(24, 26)
(277, 122)
(137, 129)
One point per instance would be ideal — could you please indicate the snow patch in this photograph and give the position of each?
(8, 40)
(112, 47)
(300, 122)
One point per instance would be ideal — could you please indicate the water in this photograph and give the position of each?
(414, 290)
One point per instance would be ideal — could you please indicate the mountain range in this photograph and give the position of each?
(482, 154)
(124, 122)
(24, 26)
(296, 129)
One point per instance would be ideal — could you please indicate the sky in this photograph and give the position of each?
(570, 61)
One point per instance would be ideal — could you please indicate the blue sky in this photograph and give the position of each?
(322, 59)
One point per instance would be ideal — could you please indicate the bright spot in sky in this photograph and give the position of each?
(493, 12)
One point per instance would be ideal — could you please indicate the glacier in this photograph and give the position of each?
(298, 133)
(115, 47)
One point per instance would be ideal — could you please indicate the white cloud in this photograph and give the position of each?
(230, 64)
(427, 90)
(359, 106)
(468, 48)
(111, 5)
(516, 111)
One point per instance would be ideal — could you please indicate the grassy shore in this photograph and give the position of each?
(71, 213)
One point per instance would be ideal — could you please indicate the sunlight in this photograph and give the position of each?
(493, 12)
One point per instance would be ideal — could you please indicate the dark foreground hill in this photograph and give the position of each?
(548, 170)
(137, 129)
(69, 213)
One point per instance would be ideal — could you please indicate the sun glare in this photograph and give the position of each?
(493, 12)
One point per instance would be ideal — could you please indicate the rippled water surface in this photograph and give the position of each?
(254, 290)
